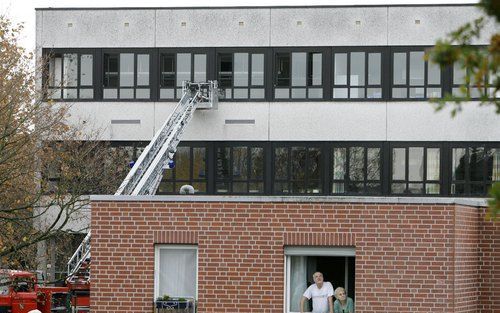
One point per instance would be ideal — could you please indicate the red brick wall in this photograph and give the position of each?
(408, 257)
(489, 267)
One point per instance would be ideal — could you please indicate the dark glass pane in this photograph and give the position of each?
(416, 188)
(281, 187)
(458, 166)
(222, 187)
(167, 78)
(182, 163)
(110, 70)
(256, 187)
(477, 189)
(240, 161)
(281, 163)
(240, 187)
(356, 163)
(353, 187)
(225, 70)
(457, 189)
(282, 69)
(476, 166)
(165, 187)
(298, 187)
(373, 164)
(313, 186)
(314, 163)
(257, 163)
(200, 187)
(398, 188)
(373, 188)
(298, 163)
(199, 166)
(223, 165)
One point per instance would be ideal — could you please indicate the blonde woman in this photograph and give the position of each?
(343, 304)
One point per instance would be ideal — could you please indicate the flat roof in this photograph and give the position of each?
(261, 7)
(475, 202)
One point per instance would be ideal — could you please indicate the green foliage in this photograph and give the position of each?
(494, 202)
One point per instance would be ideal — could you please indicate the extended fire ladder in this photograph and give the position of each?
(145, 176)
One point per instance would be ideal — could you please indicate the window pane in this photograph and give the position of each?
(282, 93)
(374, 68)
(433, 73)
(142, 69)
(494, 165)
(434, 92)
(257, 69)
(55, 65)
(340, 77)
(298, 282)
(240, 161)
(417, 92)
(356, 163)
(226, 70)
(126, 70)
(458, 161)
(432, 189)
(182, 164)
(458, 74)
(257, 93)
(280, 163)
(86, 70)
(240, 93)
(373, 164)
(314, 164)
(315, 93)
(177, 272)
(299, 69)
(356, 93)
(200, 67)
(256, 163)
(339, 93)
(417, 64)
(127, 93)
(476, 166)
(241, 69)
(416, 164)
(374, 93)
(298, 93)
(111, 70)
(357, 69)
(298, 163)
(316, 68)
(339, 161)
(283, 71)
(199, 163)
(183, 68)
(70, 71)
(399, 72)
(433, 164)
(167, 73)
(399, 93)
(142, 93)
(398, 163)
(222, 169)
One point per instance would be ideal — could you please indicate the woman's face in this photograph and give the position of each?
(341, 295)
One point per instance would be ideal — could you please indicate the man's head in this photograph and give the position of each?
(340, 294)
(318, 278)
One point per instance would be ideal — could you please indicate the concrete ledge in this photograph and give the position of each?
(475, 202)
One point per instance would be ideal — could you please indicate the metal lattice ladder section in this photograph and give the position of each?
(145, 176)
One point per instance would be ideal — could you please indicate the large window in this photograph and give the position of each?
(357, 170)
(413, 77)
(126, 76)
(336, 264)
(70, 76)
(298, 75)
(241, 75)
(297, 170)
(416, 170)
(176, 271)
(465, 84)
(474, 169)
(175, 68)
(190, 169)
(239, 170)
(357, 75)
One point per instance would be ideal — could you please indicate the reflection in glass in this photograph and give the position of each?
(315, 68)
(280, 163)
(226, 71)
(374, 68)
(356, 163)
(182, 163)
(476, 163)
(357, 77)
(200, 67)
(142, 69)
(299, 68)
(458, 164)
(340, 66)
(416, 164)
(241, 69)
(183, 68)
(257, 163)
(399, 71)
(398, 163)
(417, 65)
(283, 71)
(199, 163)
(257, 70)
(240, 161)
(70, 71)
(373, 164)
(433, 163)
(126, 70)
(433, 73)
(298, 163)
(222, 165)
(86, 69)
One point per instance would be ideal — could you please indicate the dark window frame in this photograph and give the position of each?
(162, 51)
(152, 74)
(250, 51)
(325, 73)
(47, 53)
(230, 179)
(384, 72)
(424, 181)
(347, 145)
(390, 84)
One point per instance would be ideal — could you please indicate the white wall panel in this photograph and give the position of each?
(98, 28)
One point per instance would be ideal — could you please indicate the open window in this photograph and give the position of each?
(336, 263)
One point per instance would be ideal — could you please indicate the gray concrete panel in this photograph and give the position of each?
(418, 121)
(99, 118)
(98, 28)
(424, 25)
(211, 124)
(329, 26)
(212, 28)
(328, 121)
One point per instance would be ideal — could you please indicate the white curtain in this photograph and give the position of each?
(298, 280)
(177, 273)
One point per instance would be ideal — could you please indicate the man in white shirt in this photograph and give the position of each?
(321, 293)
